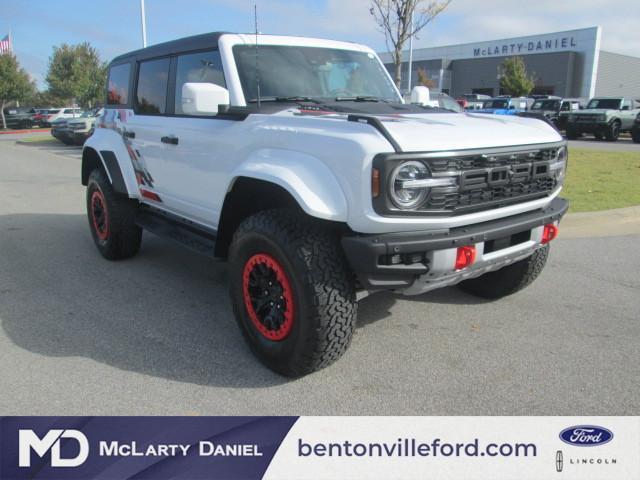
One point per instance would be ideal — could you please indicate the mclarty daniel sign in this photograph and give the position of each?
(515, 47)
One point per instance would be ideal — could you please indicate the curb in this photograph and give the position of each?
(31, 130)
(603, 223)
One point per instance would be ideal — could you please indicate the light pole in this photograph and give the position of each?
(410, 55)
(144, 24)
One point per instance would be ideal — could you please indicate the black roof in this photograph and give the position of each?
(196, 42)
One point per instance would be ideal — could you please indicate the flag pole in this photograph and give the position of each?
(144, 24)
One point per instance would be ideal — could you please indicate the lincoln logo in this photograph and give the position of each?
(586, 436)
(28, 440)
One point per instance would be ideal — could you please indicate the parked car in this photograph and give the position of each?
(56, 113)
(316, 183)
(18, 117)
(79, 129)
(553, 107)
(60, 131)
(635, 130)
(39, 116)
(604, 117)
(504, 105)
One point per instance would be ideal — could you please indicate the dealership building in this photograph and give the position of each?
(567, 64)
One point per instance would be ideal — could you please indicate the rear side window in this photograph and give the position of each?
(118, 86)
(151, 93)
(69, 110)
(53, 112)
(201, 67)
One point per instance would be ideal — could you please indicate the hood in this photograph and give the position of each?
(592, 111)
(455, 131)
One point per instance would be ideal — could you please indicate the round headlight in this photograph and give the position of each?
(402, 193)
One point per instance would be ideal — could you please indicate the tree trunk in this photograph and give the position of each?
(398, 62)
(4, 121)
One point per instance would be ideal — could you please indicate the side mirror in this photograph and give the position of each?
(420, 95)
(625, 107)
(203, 98)
(512, 107)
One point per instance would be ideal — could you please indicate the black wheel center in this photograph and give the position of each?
(266, 294)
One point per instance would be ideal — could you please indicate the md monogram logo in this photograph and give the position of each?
(28, 440)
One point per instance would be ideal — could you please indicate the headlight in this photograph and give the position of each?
(410, 183)
(559, 165)
(602, 117)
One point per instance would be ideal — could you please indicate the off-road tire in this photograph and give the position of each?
(572, 134)
(613, 132)
(509, 279)
(120, 237)
(598, 136)
(635, 135)
(322, 289)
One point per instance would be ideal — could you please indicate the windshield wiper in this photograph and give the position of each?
(295, 98)
(361, 98)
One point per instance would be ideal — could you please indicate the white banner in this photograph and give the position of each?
(461, 448)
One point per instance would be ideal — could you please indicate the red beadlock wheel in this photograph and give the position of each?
(100, 215)
(268, 297)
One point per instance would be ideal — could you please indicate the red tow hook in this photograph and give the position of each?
(549, 232)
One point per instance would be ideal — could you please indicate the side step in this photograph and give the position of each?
(188, 235)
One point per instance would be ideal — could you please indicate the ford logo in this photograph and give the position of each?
(586, 436)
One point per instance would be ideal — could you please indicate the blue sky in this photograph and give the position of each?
(113, 26)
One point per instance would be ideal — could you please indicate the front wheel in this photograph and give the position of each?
(111, 219)
(635, 135)
(509, 279)
(292, 292)
(613, 132)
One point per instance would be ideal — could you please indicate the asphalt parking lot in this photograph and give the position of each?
(155, 335)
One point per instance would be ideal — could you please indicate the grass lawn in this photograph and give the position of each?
(600, 180)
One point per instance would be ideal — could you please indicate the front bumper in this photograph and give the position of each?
(427, 258)
(592, 127)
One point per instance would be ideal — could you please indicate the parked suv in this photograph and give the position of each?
(54, 114)
(504, 106)
(604, 117)
(18, 117)
(81, 128)
(316, 183)
(554, 109)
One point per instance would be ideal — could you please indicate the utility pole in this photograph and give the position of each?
(144, 24)
(410, 55)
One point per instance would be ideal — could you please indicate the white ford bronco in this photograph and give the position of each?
(297, 160)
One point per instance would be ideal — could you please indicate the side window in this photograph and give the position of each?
(68, 110)
(118, 85)
(626, 104)
(151, 93)
(201, 67)
(566, 106)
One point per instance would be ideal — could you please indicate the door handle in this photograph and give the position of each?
(171, 140)
(130, 134)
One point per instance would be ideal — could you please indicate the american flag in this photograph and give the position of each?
(5, 45)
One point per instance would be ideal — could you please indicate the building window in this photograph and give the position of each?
(151, 93)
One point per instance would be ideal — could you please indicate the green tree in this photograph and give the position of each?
(76, 71)
(514, 79)
(15, 83)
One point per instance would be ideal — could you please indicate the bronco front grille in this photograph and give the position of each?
(587, 118)
(484, 179)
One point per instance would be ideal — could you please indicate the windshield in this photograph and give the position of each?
(293, 71)
(546, 105)
(496, 104)
(612, 103)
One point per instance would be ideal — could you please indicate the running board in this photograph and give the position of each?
(177, 230)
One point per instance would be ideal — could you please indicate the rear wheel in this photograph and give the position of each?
(613, 132)
(292, 292)
(111, 219)
(508, 279)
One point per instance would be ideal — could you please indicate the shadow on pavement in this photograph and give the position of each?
(164, 313)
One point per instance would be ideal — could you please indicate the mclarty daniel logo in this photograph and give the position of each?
(586, 436)
(28, 441)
